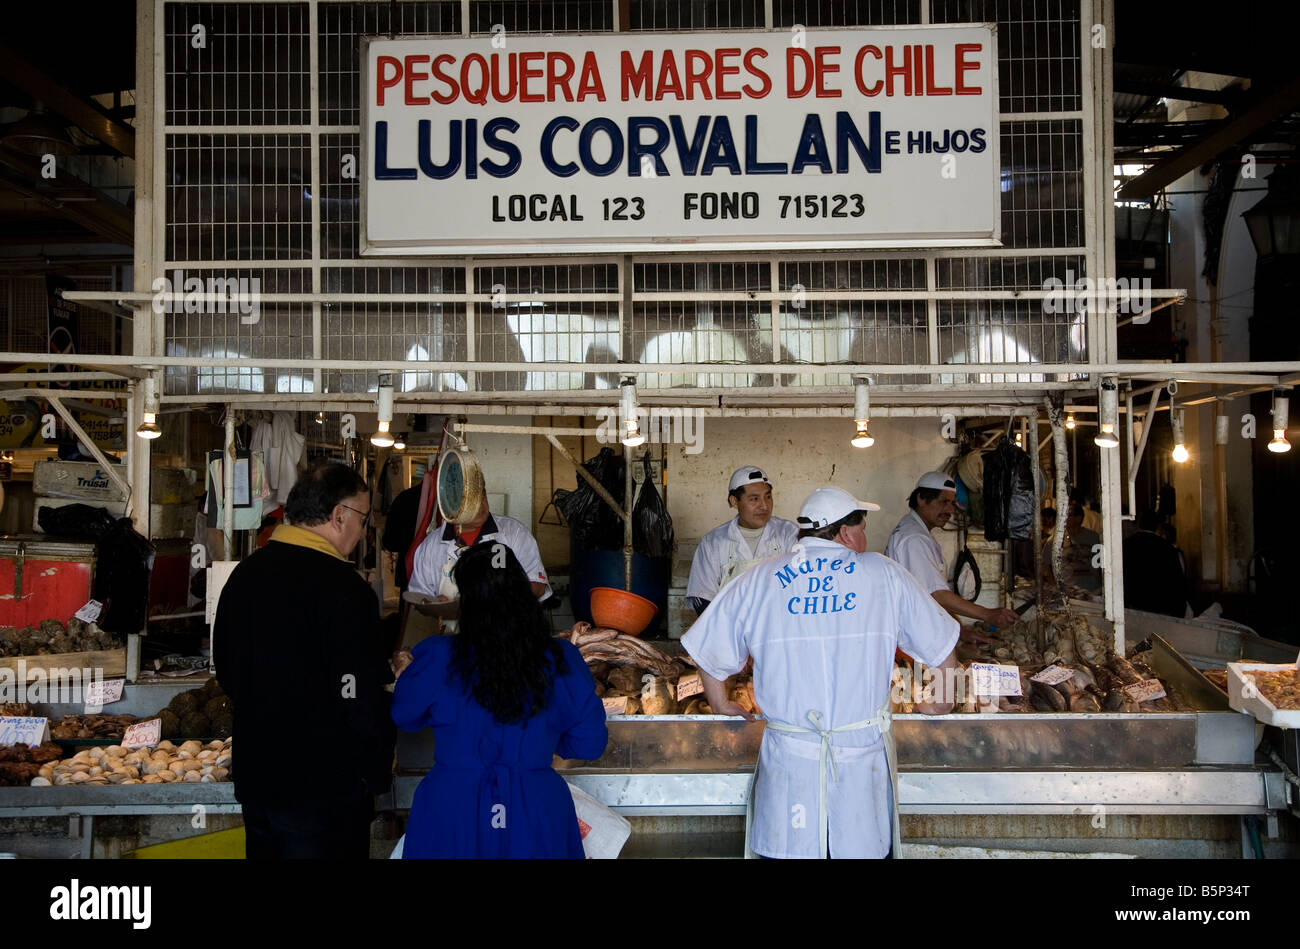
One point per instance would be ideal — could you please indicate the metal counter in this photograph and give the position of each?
(1200, 762)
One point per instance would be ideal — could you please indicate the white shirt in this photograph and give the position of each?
(822, 635)
(724, 543)
(913, 546)
(431, 557)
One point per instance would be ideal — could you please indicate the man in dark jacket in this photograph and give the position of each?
(297, 650)
(1153, 572)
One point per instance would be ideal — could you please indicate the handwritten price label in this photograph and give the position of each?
(615, 706)
(1145, 691)
(104, 692)
(689, 685)
(1053, 675)
(143, 734)
(989, 679)
(26, 729)
(90, 612)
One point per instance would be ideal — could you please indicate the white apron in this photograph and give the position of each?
(735, 566)
(883, 720)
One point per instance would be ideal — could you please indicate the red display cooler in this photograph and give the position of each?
(43, 579)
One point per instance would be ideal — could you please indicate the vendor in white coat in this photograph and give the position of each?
(441, 547)
(822, 623)
(932, 503)
(730, 549)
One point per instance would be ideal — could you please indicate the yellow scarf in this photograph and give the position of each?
(301, 537)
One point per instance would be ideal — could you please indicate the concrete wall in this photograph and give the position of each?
(800, 455)
(1194, 481)
(507, 462)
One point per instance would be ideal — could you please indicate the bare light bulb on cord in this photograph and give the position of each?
(862, 415)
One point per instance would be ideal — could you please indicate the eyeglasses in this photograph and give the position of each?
(365, 515)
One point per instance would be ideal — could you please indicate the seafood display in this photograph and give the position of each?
(91, 726)
(165, 763)
(602, 644)
(627, 667)
(52, 637)
(1281, 687)
(20, 763)
(1092, 677)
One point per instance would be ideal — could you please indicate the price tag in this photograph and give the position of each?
(615, 706)
(24, 728)
(689, 685)
(90, 612)
(1147, 690)
(103, 692)
(1053, 674)
(989, 679)
(143, 734)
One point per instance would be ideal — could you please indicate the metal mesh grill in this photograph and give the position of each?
(697, 15)
(340, 193)
(282, 332)
(237, 64)
(1042, 184)
(787, 13)
(871, 274)
(558, 16)
(710, 331)
(266, 331)
(541, 330)
(1006, 332)
(1039, 66)
(396, 331)
(24, 316)
(1007, 273)
(238, 197)
(338, 60)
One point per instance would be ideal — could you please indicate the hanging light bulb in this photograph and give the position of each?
(382, 438)
(1069, 421)
(149, 427)
(862, 414)
(400, 444)
(320, 418)
(1281, 412)
(632, 436)
(1180, 453)
(1107, 414)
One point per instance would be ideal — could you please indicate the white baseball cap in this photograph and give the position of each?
(825, 506)
(750, 474)
(936, 481)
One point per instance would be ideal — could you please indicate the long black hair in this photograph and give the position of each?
(504, 653)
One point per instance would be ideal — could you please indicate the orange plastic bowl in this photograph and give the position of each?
(618, 609)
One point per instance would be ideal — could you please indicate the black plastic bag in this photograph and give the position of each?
(1010, 499)
(652, 527)
(593, 524)
(75, 520)
(123, 563)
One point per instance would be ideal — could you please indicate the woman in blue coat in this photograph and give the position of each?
(502, 697)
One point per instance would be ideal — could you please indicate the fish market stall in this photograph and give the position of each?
(1134, 780)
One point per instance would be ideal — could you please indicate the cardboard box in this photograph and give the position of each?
(88, 481)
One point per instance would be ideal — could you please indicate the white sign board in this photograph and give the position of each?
(989, 679)
(635, 142)
(24, 729)
(143, 734)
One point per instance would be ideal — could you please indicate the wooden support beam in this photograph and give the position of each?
(1279, 102)
(84, 114)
